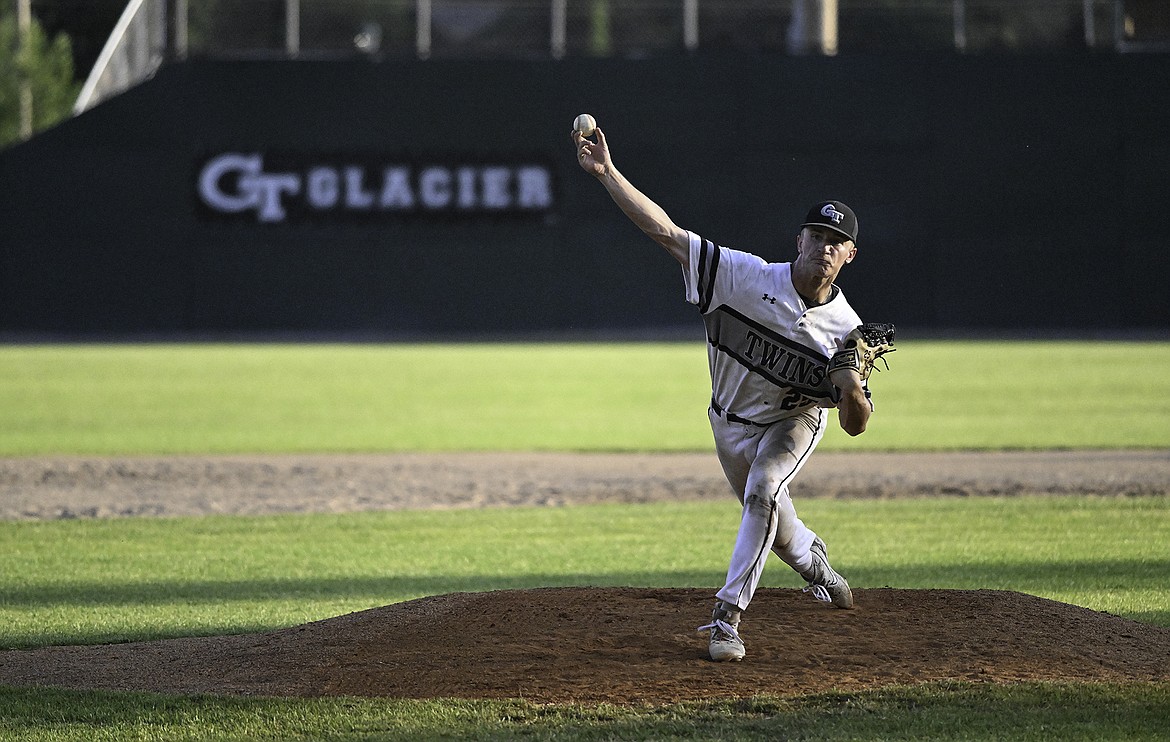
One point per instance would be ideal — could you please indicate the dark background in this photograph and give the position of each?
(994, 194)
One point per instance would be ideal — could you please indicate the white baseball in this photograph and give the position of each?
(585, 124)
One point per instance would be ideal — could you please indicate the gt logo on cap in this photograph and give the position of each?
(833, 214)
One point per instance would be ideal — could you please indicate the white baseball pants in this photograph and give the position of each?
(759, 463)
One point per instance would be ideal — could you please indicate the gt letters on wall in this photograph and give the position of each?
(274, 188)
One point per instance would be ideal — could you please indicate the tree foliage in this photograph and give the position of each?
(47, 66)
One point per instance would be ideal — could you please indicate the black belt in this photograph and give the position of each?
(734, 418)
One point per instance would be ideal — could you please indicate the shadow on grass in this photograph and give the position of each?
(374, 591)
(1024, 577)
(938, 711)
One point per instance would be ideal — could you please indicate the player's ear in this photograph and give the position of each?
(852, 254)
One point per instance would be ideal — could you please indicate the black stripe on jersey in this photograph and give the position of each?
(708, 268)
(779, 360)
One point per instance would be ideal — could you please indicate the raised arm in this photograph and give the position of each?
(594, 158)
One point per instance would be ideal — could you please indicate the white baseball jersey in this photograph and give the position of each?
(768, 350)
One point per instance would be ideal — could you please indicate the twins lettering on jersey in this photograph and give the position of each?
(781, 361)
(796, 369)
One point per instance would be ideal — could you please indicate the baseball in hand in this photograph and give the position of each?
(585, 124)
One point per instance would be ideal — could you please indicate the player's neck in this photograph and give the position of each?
(815, 290)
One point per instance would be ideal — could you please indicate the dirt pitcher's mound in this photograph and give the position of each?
(627, 645)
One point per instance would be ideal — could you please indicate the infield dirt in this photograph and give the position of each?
(619, 645)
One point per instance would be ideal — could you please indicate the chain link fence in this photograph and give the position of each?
(152, 31)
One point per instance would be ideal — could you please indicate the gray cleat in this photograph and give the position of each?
(823, 581)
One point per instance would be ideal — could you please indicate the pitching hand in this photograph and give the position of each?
(593, 157)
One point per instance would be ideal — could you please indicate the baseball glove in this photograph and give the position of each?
(864, 345)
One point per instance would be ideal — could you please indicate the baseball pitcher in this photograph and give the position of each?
(784, 347)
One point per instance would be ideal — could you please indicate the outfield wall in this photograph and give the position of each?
(439, 198)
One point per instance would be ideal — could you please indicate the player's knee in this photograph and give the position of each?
(768, 489)
(782, 544)
(759, 503)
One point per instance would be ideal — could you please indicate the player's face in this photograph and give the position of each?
(824, 251)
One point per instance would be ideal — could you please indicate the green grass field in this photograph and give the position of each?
(117, 580)
(103, 581)
(273, 398)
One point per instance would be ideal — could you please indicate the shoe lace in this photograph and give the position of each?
(720, 625)
(820, 592)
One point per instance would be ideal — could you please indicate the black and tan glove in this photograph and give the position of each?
(864, 345)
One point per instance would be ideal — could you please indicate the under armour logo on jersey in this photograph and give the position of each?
(834, 215)
(769, 299)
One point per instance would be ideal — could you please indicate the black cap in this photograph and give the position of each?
(834, 215)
